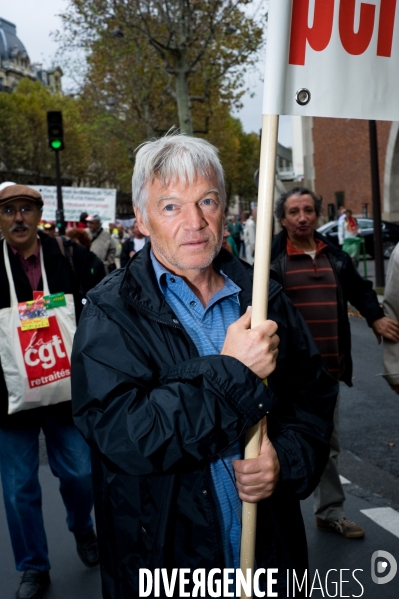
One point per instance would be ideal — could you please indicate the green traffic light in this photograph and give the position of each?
(56, 144)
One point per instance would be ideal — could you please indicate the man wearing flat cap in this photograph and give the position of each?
(68, 454)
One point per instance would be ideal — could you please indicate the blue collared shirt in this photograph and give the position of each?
(207, 328)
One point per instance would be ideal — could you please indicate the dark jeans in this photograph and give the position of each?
(69, 460)
(238, 243)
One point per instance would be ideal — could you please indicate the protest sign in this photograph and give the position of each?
(327, 58)
(77, 200)
(342, 54)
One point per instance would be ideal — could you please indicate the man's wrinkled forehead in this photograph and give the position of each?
(166, 185)
(184, 179)
(303, 199)
(21, 202)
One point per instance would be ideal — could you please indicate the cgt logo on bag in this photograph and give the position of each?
(44, 353)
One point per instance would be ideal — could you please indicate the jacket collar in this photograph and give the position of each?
(140, 288)
(294, 251)
(96, 234)
(280, 243)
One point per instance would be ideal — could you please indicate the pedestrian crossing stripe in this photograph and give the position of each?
(344, 481)
(386, 517)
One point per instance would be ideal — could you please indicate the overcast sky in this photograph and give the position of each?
(36, 19)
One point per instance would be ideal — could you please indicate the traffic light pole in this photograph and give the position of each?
(59, 215)
(56, 143)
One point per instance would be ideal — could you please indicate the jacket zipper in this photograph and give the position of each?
(206, 468)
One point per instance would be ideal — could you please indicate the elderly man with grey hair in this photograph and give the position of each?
(319, 279)
(168, 376)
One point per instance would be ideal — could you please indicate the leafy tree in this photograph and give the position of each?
(24, 151)
(239, 153)
(133, 91)
(157, 59)
(92, 155)
(15, 141)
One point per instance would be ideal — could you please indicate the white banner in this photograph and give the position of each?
(342, 54)
(77, 200)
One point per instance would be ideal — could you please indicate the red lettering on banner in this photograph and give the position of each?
(44, 353)
(385, 29)
(356, 43)
(318, 35)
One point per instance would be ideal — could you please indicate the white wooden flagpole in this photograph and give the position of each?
(264, 232)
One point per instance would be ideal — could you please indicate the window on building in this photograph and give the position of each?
(339, 199)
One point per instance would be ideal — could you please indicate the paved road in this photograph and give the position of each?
(368, 271)
(369, 420)
(370, 462)
(70, 578)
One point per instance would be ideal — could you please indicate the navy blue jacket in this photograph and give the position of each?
(155, 414)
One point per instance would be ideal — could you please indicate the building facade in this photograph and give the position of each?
(15, 63)
(336, 159)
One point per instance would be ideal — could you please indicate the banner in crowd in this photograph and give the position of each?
(77, 200)
(333, 58)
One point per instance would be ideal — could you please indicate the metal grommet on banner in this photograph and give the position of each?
(302, 96)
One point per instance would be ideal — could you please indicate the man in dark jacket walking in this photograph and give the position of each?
(320, 279)
(168, 376)
(68, 454)
(132, 245)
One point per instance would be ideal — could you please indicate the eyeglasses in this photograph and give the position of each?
(11, 212)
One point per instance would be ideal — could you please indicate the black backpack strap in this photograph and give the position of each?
(60, 241)
(66, 248)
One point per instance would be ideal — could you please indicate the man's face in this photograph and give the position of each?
(18, 221)
(136, 231)
(185, 224)
(300, 218)
(93, 225)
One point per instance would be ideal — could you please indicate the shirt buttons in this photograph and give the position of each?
(172, 280)
(205, 492)
(193, 303)
(260, 406)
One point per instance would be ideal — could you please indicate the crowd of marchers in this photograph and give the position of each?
(147, 419)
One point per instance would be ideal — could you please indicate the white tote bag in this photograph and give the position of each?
(36, 363)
